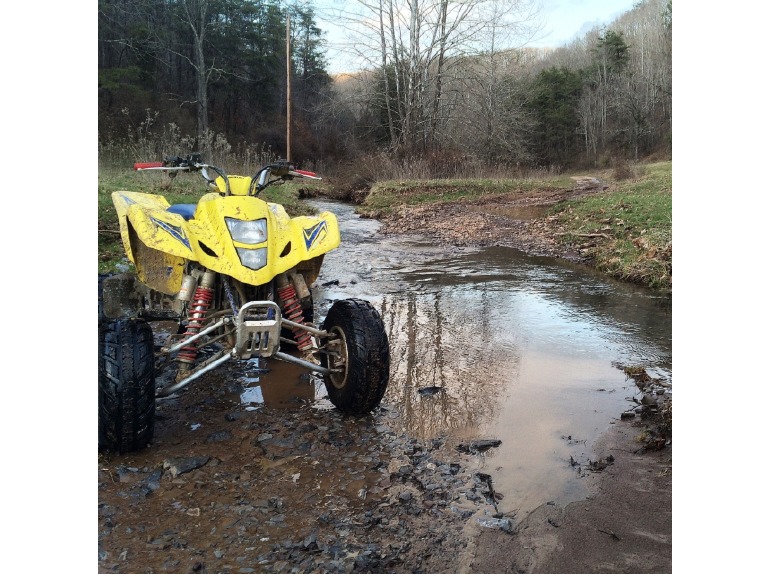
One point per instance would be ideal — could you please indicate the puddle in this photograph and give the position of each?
(525, 350)
(278, 385)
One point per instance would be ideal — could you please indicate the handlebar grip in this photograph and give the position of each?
(148, 165)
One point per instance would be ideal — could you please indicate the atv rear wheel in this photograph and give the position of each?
(126, 385)
(359, 354)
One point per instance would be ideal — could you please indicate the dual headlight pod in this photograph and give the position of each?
(251, 233)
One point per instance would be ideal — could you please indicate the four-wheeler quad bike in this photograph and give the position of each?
(233, 272)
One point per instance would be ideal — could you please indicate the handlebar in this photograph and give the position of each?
(304, 173)
(282, 169)
(173, 163)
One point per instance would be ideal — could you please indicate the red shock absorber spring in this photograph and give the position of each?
(293, 311)
(201, 302)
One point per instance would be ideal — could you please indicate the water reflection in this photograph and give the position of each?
(440, 343)
(525, 349)
(276, 384)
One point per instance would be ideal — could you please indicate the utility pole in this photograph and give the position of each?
(288, 87)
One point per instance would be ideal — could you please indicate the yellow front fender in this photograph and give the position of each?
(156, 241)
(289, 240)
(157, 228)
(159, 242)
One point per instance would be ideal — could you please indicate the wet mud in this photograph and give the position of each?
(239, 481)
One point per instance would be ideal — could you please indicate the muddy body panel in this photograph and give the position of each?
(159, 242)
(124, 295)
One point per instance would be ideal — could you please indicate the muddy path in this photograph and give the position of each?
(521, 222)
(253, 470)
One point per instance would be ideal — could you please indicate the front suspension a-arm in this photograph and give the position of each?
(257, 328)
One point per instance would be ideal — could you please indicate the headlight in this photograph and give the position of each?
(252, 258)
(251, 232)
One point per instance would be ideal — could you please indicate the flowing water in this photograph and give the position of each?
(493, 344)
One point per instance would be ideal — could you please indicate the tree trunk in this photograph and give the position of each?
(197, 19)
(388, 104)
(439, 72)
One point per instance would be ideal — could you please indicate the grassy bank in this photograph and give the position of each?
(386, 196)
(626, 231)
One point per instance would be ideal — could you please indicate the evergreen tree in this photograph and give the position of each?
(555, 97)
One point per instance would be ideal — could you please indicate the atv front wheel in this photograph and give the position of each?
(358, 354)
(126, 385)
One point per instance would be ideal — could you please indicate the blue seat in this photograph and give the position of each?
(186, 210)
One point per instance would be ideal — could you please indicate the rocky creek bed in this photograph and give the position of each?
(223, 489)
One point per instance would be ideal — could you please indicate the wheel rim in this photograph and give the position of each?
(339, 360)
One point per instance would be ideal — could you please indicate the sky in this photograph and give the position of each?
(568, 18)
(563, 20)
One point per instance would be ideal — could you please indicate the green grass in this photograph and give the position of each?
(626, 232)
(184, 188)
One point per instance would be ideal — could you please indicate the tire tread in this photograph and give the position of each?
(126, 385)
(368, 356)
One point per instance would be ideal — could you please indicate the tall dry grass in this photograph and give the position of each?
(361, 173)
(152, 140)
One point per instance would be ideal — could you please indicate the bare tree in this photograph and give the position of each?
(415, 44)
(385, 78)
(626, 106)
(493, 122)
(646, 95)
(195, 15)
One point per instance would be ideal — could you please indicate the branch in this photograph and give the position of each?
(610, 532)
(588, 235)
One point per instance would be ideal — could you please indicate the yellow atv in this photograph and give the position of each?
(234, 273)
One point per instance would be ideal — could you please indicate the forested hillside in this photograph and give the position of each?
(210, 76)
